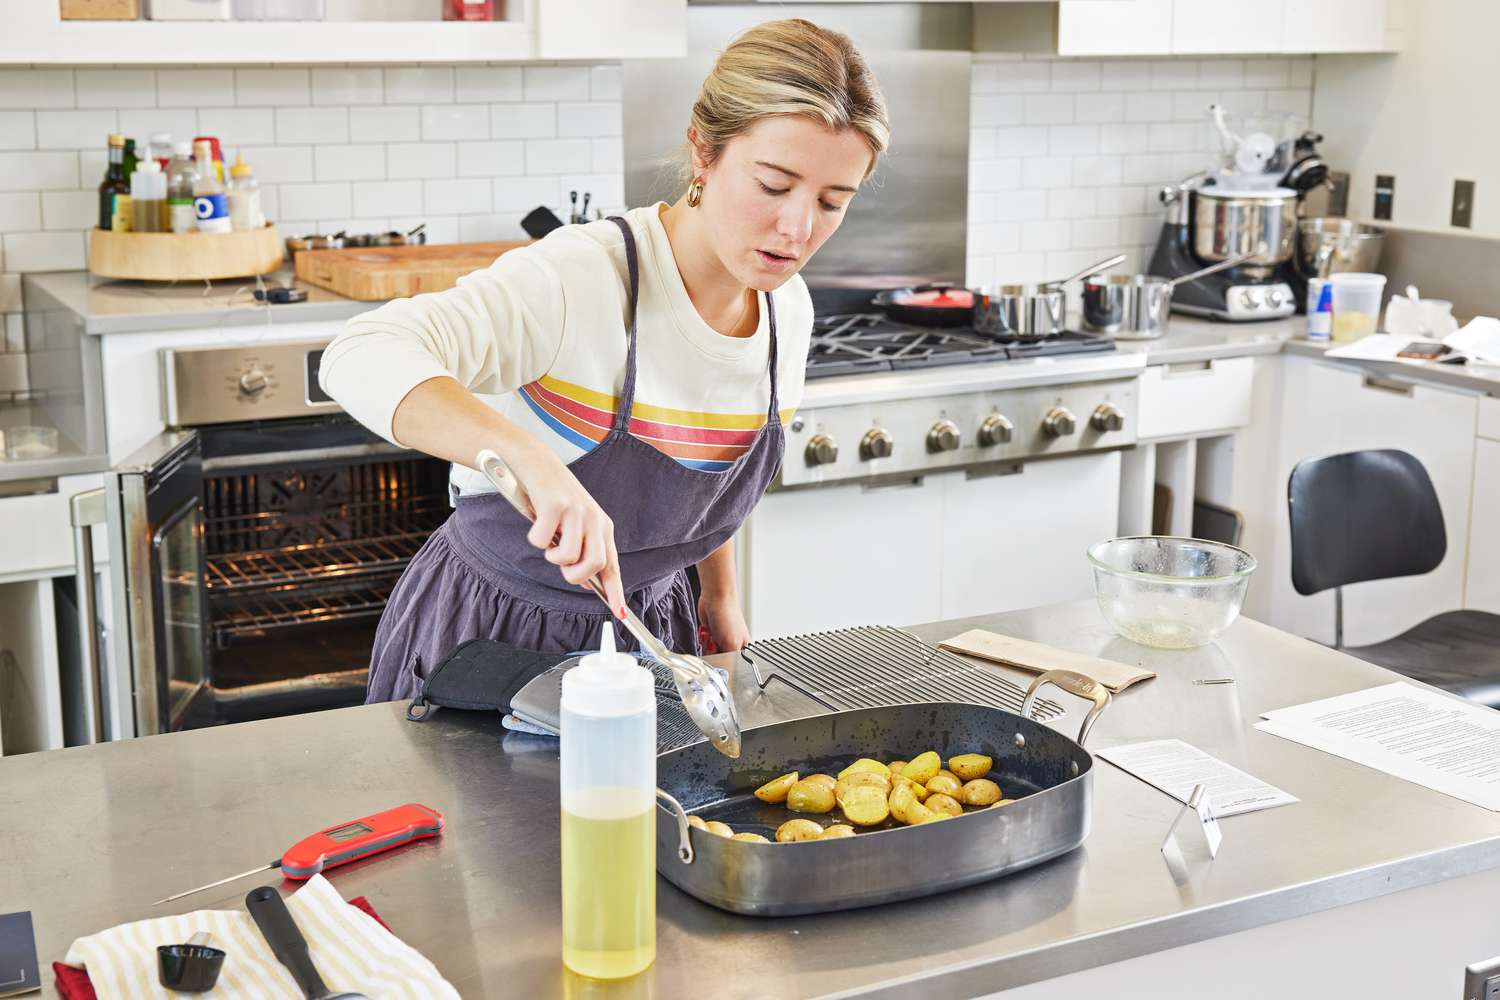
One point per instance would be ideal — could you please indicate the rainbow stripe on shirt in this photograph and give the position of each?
(710, 442)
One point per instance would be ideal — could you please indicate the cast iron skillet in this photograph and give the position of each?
(937, 304)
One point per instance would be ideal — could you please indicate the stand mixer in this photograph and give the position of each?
(1245, 203)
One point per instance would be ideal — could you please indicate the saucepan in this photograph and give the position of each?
(1136, 306)
(1029, 311)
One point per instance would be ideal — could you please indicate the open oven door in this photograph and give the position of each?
(158, 678)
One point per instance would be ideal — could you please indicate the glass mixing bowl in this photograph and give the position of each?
(1171, 593)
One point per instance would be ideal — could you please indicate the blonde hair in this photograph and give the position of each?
(790, 67)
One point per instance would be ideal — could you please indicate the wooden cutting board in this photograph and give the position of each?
(375, 274)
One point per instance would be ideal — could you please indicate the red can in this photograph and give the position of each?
(469, 10)
(213, 144)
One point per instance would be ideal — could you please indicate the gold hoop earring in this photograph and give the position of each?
(695, 193)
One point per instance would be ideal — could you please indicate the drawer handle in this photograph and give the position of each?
(1188, 368)
(1389, 385)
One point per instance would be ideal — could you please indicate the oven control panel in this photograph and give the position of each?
(215, 385)
(912, 436)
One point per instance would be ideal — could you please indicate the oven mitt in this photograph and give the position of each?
(480, 675)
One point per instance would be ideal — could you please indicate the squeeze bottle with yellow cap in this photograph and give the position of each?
(244, 197)
(608, 792)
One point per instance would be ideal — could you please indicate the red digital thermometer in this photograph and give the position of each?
(339, 845)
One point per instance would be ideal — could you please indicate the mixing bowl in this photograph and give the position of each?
(1171, 593)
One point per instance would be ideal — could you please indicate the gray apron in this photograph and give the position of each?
(478, 576)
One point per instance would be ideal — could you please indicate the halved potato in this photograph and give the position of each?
(917, 813)
(923, 767)
(980, 792)
(939, 802)
(1002, 802)
(836, 831)
(860, 779)
(866, 764)
(895, 767)
(775, 790)
(752, 838)
(718, 829)
(808, 796)
(697, 821)
(901, 799)
(865, 805)
(968, 766)
(948, 773)
(822, 779)
(794, 830)
(918, 790)
(945, 784)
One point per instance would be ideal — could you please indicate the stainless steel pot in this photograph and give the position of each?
(1020, 311)
(1137, 306)
(1048, 774)
(1331, 245)
(1227, 222)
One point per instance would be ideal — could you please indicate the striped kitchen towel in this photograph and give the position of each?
(350, 948)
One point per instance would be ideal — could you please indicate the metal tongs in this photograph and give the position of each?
(704, 693)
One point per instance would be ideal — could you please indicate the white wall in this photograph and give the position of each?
(1425, 115)
(1067, 155)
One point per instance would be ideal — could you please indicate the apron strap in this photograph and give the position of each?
(773, 415)
(627, 392)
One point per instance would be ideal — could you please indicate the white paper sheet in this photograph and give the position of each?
(1479, 339)
(1375, 347)
(1175, 767)
(1421, 736)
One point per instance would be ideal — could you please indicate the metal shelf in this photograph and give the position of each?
(304, 564)
(254, 616)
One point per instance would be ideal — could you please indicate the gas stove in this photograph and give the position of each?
(859, 343)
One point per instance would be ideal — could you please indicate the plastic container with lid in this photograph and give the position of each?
(1356, 304)
(608, 794)
(187, 10)
(278, 10)
(244, 197)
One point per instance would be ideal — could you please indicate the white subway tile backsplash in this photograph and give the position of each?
(310, 125)
(10, 302)
(1093, 171)
(274, 87)
(419, 85)
(992, 111)
(350, 163)
(382, 124)
(17, 130)
(556, 83)
(40, 171)
(1075, 75)
(1140, 230)
(1020, 206)
(982, 143)
(1047, 172)
(1270, 72)
(315, 201)
(1051, 235)
(1073, 140)
(995, 175)
(487, 84)
(1047, 109)
(1117, 201)
(1012, 77)
(1296, 101)
(196, 88)
(1172, 137)
(1246, 100)
(115, 88)
(1094, 234)
(491, 159)
(523, 121)
(236, 126)
(556, 156)
(596, 118)
(485, 228)
(74, 129)
(455, 121)
(440, 228)
(1148, 107)
(605, 83)
(281, 164)
(1132, 138)
(70, 209)
(1173, 74)
(348, 85)
(995, 237)
(375, 198)
(37, 88)
(609, 155)
(1221, 73)
(1019, 268)
(140, 123)
(26, 252)
(1300, 73)
(1125, 74)
(1105, 107)
(270, 201)
(456, 197)
(1024, 141)
(1072, 203)
(981, 207)
(1186, 164)
(20, 212)
(92, 164)
(608, 191)
(522, 194)
(1146, 168)
(409, 160)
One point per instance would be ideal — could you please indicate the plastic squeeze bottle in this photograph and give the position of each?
(148, 197)
(244, 197)
(608, 733)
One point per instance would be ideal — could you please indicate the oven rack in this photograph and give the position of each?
(282, 529)
(302, 564)
(251, 616)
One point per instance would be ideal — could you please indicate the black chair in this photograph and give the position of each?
(1373, 515)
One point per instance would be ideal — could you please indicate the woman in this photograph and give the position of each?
(635, 372)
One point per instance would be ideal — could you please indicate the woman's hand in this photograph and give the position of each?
(576, 534)
(727, 632)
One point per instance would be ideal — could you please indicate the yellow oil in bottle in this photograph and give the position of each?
(608, 883)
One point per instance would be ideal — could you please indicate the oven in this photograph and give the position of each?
(254, 544)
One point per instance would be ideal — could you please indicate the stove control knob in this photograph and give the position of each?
(253, 382)
(995, 429)
(876, 443)
(944, 436)
(1059, 422)
(1107, 417)
(822, 450)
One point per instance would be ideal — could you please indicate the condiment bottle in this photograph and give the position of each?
(244, 197)
(608, 792)
(160, 148)
(182, 175)
(148, 197)
(114, 190)
(209, 203)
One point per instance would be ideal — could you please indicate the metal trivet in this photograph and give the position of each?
(875, 665)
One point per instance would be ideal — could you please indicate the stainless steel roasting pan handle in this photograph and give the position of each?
(1074, 683)
(684, 835)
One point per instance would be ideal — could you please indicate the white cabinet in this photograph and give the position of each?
(1018, 540)
(1183, 400)
(1343, 25)
(1189, 27)
(611, 29)
(1213, 26)
(1482, 586)
(1332, 408)
(1114, 27)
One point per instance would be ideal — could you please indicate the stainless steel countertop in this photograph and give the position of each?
(130, 822)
